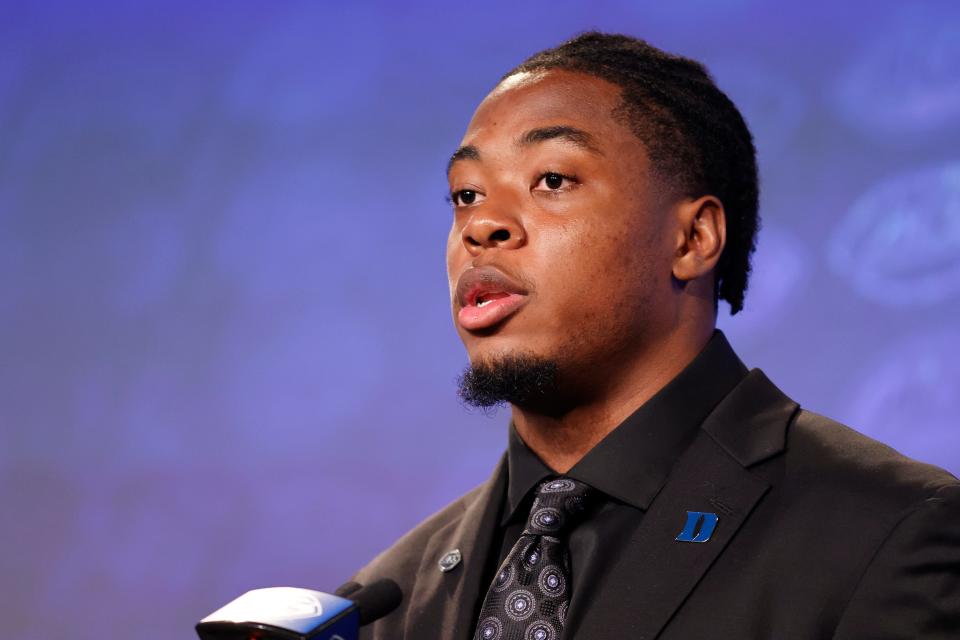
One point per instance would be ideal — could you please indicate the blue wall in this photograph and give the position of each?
(227, 356)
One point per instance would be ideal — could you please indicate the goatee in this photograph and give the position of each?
(519, 379)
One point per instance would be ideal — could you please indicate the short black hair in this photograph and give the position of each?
(696, 138)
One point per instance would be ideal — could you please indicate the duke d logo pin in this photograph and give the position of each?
(699, 527)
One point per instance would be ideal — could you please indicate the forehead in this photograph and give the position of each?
(529, 100)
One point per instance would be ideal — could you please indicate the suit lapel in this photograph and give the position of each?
(443, 602)
(656, 573)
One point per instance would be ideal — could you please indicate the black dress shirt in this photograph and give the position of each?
(630, 466)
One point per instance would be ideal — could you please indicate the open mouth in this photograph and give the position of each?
(487, 297)
(490, 309)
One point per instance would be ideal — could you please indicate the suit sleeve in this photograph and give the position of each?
(911, 588)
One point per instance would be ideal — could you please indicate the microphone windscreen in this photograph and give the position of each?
(377, 599)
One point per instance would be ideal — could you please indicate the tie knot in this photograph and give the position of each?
(559, 505)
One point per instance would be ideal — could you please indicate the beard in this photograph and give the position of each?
(518, 379)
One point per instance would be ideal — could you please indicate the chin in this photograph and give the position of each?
(491, 348)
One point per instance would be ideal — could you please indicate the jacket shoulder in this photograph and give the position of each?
(845, 463)
(403, 557)
(903, 579)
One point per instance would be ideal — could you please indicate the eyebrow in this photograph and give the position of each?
(567, 133)
(578, 137)
(468, 152)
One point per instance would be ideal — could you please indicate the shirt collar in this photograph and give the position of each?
(632, 462)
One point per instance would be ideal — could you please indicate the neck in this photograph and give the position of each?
(561, 440)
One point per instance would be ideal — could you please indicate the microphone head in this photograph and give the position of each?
(301, 614)
(281, 612)
(377, 599)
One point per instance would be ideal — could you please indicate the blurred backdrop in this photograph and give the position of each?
(227, 356)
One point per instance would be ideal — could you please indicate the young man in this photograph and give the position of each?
(605, 199)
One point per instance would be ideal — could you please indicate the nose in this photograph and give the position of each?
(485, 231)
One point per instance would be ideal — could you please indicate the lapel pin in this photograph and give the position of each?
(450, 560)
(699, 527)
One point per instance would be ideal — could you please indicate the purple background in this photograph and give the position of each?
(227, 357)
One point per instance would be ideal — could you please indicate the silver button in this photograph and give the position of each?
(450, 559)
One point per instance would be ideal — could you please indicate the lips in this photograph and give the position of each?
(487, 297)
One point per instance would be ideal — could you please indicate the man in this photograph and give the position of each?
(605, 199)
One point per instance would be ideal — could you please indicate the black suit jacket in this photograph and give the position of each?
(823, 533)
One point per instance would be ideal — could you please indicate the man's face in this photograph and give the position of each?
(558, 249)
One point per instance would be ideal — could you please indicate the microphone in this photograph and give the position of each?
(288, 613)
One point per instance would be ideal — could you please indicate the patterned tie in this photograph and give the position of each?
(528, 599)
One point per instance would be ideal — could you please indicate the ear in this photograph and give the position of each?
(700, 239)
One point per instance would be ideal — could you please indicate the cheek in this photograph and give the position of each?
(581, 268)
(456, 254)
(600, 254)
(453, 241)
(603, 275)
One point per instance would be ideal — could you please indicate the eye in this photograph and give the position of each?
(464, 197)
(555, 181)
